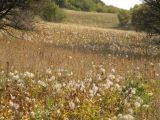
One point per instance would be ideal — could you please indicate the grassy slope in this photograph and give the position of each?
(92, 19)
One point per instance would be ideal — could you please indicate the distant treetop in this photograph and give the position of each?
(87, 5)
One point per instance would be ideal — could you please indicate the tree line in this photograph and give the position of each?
(143, 17)
(87, 5)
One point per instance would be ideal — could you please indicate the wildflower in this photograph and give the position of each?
(127, 56)
(72, 105)
(59, 74)
(12, 97)
(99, 77)
(66, 118)
(151, 64)
(146, 106)
(58, 87)
(111, 77)
(2, 72)
(113, 70)
(103, 70)
(130, 111)
(140, 100)
(150, 94)
(127, 104)
(94, 66)
(70, 57)
(118, 87)
(93, 91)
(133, 91)
(138, 68)
(114, 118)
(109, 55)
(120, 115)
(108, 84)
(126, 117)
(82, 87)
(52, 78)
(137, 104)
(69, 74)
(28, 99)
(157, 74)
(49, 71)
(32, 114)
(15, 72)
(11, 103)
(77, 100)
(14, 105)
(16, 77)
(29, 75)
(58, 112)
(42, 83)
(11, 74)
(95, 88)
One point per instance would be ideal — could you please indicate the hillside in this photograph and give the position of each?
(92, 19)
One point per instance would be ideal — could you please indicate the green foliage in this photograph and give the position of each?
(111, 9)
(144, 18)
(52, 13)
(123, 17)
(61, 3)
(84, 5)
(87, 5)
(99, 7)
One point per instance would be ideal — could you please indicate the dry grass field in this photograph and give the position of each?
(92, 19)
(74, 72)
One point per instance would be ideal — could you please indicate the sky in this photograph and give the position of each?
(125, 4)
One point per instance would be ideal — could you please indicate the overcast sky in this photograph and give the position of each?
(126, 4)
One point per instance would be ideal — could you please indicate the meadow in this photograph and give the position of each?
(91, 19)
(66, 71)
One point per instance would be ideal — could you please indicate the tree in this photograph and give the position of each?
(146, 17)
(60, 3)
(154, 6)
(53, 13)
(140, 19)
(17, 13)
(99, 7)
(123, 17)
(9, 9)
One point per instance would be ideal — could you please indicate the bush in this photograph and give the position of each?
(123, 17)
(53, 13)
(99, 7)
(61, 3)
(84, 5)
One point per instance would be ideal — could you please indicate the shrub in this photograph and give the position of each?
(53, 13)
(123, 17)
(61, 3)
(99, 7)
(84, 5)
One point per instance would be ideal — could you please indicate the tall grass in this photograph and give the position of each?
(75, 72)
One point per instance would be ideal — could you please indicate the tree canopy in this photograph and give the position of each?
(146, 17)
(9, 10)
(87, 5)
(18, 13)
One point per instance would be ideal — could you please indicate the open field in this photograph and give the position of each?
(92, 19)
(64, 71)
